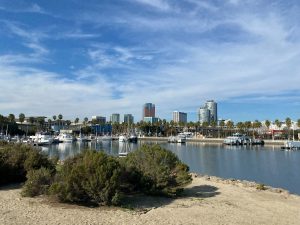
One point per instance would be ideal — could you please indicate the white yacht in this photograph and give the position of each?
(64, 137)
(42, 139)
(177, 139)
(291, 145)
(237, 139)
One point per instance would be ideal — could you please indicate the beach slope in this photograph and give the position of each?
(207, 200)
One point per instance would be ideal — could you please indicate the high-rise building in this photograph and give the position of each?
(99, 119)
(128, 119)
(211, 105)
(179, 117)
(148, 110)
(115, 118)
(204, 115)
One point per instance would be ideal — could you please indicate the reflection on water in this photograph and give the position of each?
(268, 164)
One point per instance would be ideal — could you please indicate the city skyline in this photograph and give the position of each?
(97, 58)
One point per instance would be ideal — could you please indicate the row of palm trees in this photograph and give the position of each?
(162, 127)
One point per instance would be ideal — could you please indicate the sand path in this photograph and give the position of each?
(207, 201)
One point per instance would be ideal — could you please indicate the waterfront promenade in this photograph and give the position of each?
(209, 140)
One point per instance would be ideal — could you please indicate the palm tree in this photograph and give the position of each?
(278, 123)
(247, 126)
(230, 125)
(60, 117)
(256, 125)
(41, 122)
(268, 124)
(49, 123)
(31, 120)
(11, 118)
(240, 126)
(288, 123)
(76, 120)
(86, 120)
(21, 117)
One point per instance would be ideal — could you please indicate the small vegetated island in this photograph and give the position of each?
(93, 177)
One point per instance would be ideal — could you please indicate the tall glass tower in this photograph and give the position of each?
(115, 118)
(148, 110)
(204, 115)
(211, 105)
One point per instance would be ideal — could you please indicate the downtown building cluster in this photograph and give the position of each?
(207, 113)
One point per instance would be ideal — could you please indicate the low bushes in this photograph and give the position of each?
(38, 182)
(90, 177)
(93, 177)
(17, 159)
(155, 170)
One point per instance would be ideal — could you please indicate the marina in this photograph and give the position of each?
(267, 164)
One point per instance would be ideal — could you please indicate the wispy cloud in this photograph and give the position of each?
(157, 4)
(32, 8)
(176, 55)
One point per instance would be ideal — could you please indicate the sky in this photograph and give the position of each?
(83, 58)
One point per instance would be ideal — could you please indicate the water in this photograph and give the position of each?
(268, 165)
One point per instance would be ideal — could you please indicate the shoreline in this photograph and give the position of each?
(210, 140)
(207, 200)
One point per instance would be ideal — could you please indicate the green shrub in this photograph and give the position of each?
(38, 182)
(90, 177)
(155, 170)
(17, 159)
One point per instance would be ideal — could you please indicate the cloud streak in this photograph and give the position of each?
(176, 55)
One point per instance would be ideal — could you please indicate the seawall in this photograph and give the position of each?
(208, 140)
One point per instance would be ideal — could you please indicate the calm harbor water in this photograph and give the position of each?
(267, 164)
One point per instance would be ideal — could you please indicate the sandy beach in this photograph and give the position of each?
(207, 200)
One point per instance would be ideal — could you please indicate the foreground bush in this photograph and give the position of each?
(90, 177)
(17, 159)
(38, 182)
(155, 170)
(96, 178)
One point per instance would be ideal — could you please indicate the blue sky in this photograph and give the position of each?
(84, 58)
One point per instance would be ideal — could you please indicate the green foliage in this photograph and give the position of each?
(90, 177)
(38, 182)
(17, 159)
(155, 170)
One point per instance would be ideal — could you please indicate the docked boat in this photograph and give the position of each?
(132, 138)
(291, 145)
(177, 139)
(42, 139)
(241, 139)
(64, 137)
(237, 139)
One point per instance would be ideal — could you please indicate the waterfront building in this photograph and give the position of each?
(179, 117)
(99, 119)
(115, 118)
(128, 118)
(101, 129)
(211, 105)
(148, 110)
(151, 119)
(204, 115)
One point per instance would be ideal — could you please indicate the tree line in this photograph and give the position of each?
(160, 128)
